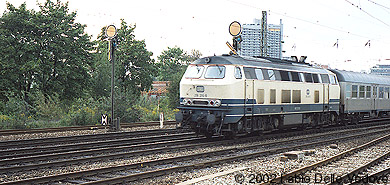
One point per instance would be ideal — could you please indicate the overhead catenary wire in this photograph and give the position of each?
(368, 13)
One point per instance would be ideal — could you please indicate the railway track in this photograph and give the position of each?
(151, 168)
(89, 127)
(347, 167)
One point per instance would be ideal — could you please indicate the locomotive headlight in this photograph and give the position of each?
(217, 103)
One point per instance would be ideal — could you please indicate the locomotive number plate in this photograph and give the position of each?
(199, 88)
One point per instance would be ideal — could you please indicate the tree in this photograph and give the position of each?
(44, 51)
(172, 65)
(134, 66)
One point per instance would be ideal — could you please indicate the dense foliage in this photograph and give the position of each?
(53, 74)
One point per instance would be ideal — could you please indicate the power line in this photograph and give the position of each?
(379, 4)
(303, 20)
(367, 13)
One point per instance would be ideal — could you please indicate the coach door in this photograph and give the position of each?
(325, 97)
(249, 97)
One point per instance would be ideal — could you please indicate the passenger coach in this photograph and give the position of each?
(233, 95)
(363, 95)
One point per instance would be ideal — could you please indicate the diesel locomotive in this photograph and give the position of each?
(233, 95)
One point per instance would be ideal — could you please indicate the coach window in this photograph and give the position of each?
(295, 77)
(362, 90)
(315, 78)
(237, 73)
(374, 92)
(354, 91)
(249, 73)
(259, 74)
(387, 95)
(381, 92)
(368, 92)
(308, 77)
(284, 75)
(348, 91)
(216, 72)
(325, 78)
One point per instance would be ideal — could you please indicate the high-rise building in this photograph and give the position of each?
(380, 69)
(251, 39)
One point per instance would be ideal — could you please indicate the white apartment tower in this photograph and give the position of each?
(251, 39)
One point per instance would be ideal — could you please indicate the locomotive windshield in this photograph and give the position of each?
(194, 72)
(215, 72)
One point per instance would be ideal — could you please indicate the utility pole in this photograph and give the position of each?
(111, 33)
(264, 30)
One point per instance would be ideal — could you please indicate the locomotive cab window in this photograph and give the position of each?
(194, 72)
(215, 72)
(237, 73)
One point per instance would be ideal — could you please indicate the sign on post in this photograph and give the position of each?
(161, 120)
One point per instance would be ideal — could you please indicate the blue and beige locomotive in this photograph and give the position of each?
(232, 95)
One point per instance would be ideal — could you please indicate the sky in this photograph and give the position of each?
(310, 28)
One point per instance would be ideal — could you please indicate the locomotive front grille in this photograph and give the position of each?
(200, 102)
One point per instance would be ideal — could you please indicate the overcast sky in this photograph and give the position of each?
(311, 27)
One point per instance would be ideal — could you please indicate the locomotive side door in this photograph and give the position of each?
(249, 99)
(325, 91)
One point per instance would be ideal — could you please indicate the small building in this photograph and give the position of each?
(380, 69)
(159, 88)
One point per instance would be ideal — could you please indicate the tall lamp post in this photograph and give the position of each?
(111, 33)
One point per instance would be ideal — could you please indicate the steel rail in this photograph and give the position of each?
(74, 128)
(329, 160)
(182, 158)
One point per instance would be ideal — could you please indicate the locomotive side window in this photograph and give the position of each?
(265, 74)
(259, 74)
(295, 77)
(354, 91)
(277, 75)
(260, 96)
(316, 96)
(296, 95)
(325, 78)
(368, 92)
(284, 75)
(216, 72)
(362, 90)
(308, 77)
(249, 73)
(286, 96)
(315, 78)
(272, 96)
(271, 74)
(194, 72)
(333, 80)
(237, 73)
